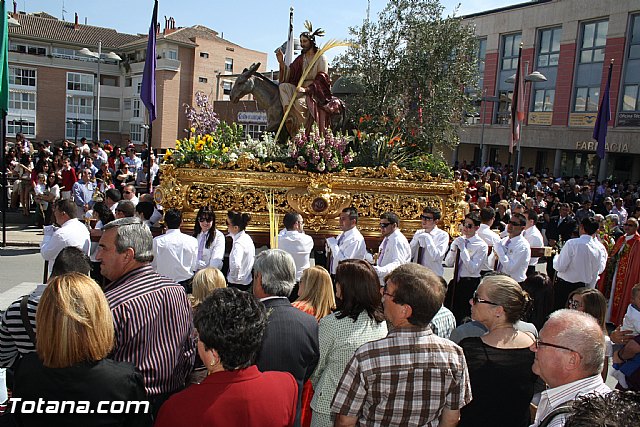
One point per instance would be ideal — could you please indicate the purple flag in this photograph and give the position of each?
(148, 90)
(604, 115)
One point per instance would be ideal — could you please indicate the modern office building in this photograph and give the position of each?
(53, 82)
(570, 42)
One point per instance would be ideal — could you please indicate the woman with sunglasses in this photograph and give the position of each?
(210, 240)
(499, 362)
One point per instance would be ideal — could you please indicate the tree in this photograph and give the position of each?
(414, 65)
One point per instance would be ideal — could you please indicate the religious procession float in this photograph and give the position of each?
(316, 157)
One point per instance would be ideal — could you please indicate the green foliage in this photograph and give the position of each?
(414, 65)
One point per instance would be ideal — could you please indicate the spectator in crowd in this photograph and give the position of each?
(83, 191)
(51, 195)
(619, 210)
(75, 334)
(151, 314)
(350, 243)
(503, 215)
(296, 243)
(615, 409)
(499, 362)
(144, 211)
(242, 253)
(112, 197)
(467, 255)
(175, 254)
(231, 326)
(411, 297)
(394, 249)
(513, 251)
(125, 209)
(532, 235)
(156, 217)
(70, 232)
(316, 293)
(540, 288)
(204, 282)
(291, 339)
(211, 243)
(584, 211)
(429, 244)
(129, 193)
(359, 318)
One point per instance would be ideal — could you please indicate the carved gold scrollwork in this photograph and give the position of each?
(317, 202)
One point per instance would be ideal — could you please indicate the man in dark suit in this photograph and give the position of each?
(291, 340)
(561, 227)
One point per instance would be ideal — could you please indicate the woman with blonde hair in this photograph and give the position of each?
(499, 362)
(74, 335)
(316, 292)
(204, 282)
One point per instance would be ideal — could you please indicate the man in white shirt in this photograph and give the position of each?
(175, 254)
(534, 237)
(70, 233)
(296, 243)
(429, 245)
(469, 251)
(490, 237)
(619, 210)
(514, 252)
(569, 359)
(578, 264)
(129, 193)
(394, 249)
(349, 244)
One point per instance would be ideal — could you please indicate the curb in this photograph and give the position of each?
(22, 244)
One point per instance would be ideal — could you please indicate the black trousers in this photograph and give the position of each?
(458, 295)
(561, 291)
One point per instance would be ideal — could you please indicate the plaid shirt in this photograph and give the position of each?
(407, 378)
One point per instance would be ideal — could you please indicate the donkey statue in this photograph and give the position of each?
(266, 94)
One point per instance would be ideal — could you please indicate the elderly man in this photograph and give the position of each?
(83, 191)
(569, 358)
(70, 233)
(291, 339)
(349, 244)
(151, 314)
(394, 249)
(367, 393)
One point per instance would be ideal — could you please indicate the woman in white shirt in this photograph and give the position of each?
(210, 240)
(243, 251)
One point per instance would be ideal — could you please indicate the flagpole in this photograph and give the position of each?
(514, 119)
(149, 134)
(3, 137)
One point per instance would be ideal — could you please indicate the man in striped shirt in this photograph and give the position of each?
(152, 315)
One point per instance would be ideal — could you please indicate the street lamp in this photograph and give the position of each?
(100, 57)
(75, 123)
(535, 76)
(484, 99)
(21, 122)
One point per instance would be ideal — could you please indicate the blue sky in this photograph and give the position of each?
(255, 24)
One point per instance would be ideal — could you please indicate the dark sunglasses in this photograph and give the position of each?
(468, 225)
(516, 224)
(127, 192)
(205, 219)
(384, 224)
(477, 300)
(426, 218)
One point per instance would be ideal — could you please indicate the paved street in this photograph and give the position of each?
(20, 271)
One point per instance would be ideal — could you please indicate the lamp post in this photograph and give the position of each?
(484, 99)
(535, 76)
(100, 57)
(21, 122)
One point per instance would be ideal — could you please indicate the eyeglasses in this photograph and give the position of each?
(127, 192)
(426, 218)
(516, 224)
(387, 294)
(540, 343)
(205, 219)
(384, 224)
(574, 304)
(477, 300)
(466, 225)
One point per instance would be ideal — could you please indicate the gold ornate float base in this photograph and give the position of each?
(319, 198)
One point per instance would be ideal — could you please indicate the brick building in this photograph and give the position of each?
(53, 87)
(571, 42)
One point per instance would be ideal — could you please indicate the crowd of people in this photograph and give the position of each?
(211, 331)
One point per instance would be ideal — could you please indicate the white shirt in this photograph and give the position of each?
(604, 254)
(631, 321)
(554, 397)
(434, 246)
(348, 245)
(213, 256)
(490, 237)
(72, 233)
(588, 255)
(534, 237)
(473, 255)
(241, 258)
(394, 251)
(175, 255)
(514, 258)
(299, 246)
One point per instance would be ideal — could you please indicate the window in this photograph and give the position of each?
(543, 100)
(510, 49)
(139, 87)
(27, 48)
(594, 40)
(79, 106)
(127, 104)
(254, 131)
(204, 55)
(171, 54)
(22, 101)
(109, 81)
(503, 116)
(135, 132)
(630, 98)
(127, 82)
(84, 129)
(634, 47)
(482, 53)
(80, 82)
(202, 79)
(228, 65)
(226, 88)
(22, 77)
(587, 99)
(549, 49)
(112, 104)
(136, 108)
(109, 126)
(27, 127)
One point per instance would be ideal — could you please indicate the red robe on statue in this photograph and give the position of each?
(628, 274)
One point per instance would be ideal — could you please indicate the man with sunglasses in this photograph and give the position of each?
(394, 249)
(569, 358)
(513, 251)
(429, 245)
(129, 193)
(469, 251)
